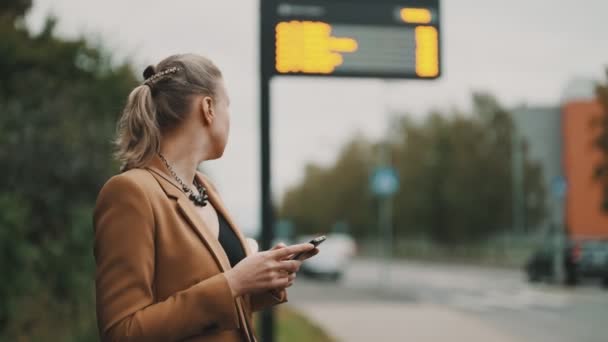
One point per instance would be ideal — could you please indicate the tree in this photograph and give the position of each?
(12, 10)
(59, 101)
(455, 175)
(331, 194)
(601, 141)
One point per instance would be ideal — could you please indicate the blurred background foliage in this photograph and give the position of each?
(455, 173)
(59, 100)
(601, 141)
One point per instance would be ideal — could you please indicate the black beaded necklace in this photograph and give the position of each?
(199, 200)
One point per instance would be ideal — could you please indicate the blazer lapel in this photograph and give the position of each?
(196, 223)
(187, 210)
(218, 204)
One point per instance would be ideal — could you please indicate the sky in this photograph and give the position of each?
(524, 52)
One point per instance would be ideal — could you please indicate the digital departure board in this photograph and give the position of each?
(360, 38)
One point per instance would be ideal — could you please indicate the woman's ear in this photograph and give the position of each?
(206, 105)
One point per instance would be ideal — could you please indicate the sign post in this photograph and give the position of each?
(558, 190)
(384, 184)
(384, 39)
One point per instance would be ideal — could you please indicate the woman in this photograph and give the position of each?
(170, 263)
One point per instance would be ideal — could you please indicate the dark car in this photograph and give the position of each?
(592, 260)
(580, 259)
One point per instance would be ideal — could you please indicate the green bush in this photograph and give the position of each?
(59, 100)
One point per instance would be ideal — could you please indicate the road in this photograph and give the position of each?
(432, 302)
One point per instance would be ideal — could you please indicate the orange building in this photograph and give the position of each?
(584, 217)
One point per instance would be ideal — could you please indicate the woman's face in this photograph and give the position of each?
(220, 126)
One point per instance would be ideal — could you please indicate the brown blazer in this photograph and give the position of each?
(159, 269)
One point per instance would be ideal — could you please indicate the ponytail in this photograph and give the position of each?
(138, 135)
(160, 104)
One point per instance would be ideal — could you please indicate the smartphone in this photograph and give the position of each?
(316, 242)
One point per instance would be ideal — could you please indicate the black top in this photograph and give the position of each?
(230, 242)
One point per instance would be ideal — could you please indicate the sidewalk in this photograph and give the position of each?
(385, 322)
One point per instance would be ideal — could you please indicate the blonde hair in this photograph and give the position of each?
(160, 103)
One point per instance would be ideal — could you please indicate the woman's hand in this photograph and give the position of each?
(266, 270)
(303, 257)
(292, 276)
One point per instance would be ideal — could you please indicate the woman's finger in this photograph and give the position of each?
(253, 245)
(289, 257)
(308, 255)
(278, 246)
(279, 283)
(291, 279)
(289, 265)
(281, 253)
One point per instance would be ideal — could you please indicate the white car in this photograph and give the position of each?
(334, 256)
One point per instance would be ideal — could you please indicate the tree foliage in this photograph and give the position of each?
(601, 141)
(455, 175)
(328, 195)
(59, 100)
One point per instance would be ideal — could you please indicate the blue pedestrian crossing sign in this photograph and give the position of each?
(384, 181)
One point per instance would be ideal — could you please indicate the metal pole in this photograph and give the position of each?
(265, 172)
(382, 271)
(517, 179)
(267, 332)
(266, 57)
(558, 255)
(380, 243)
(385, 205)
(387, 228)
